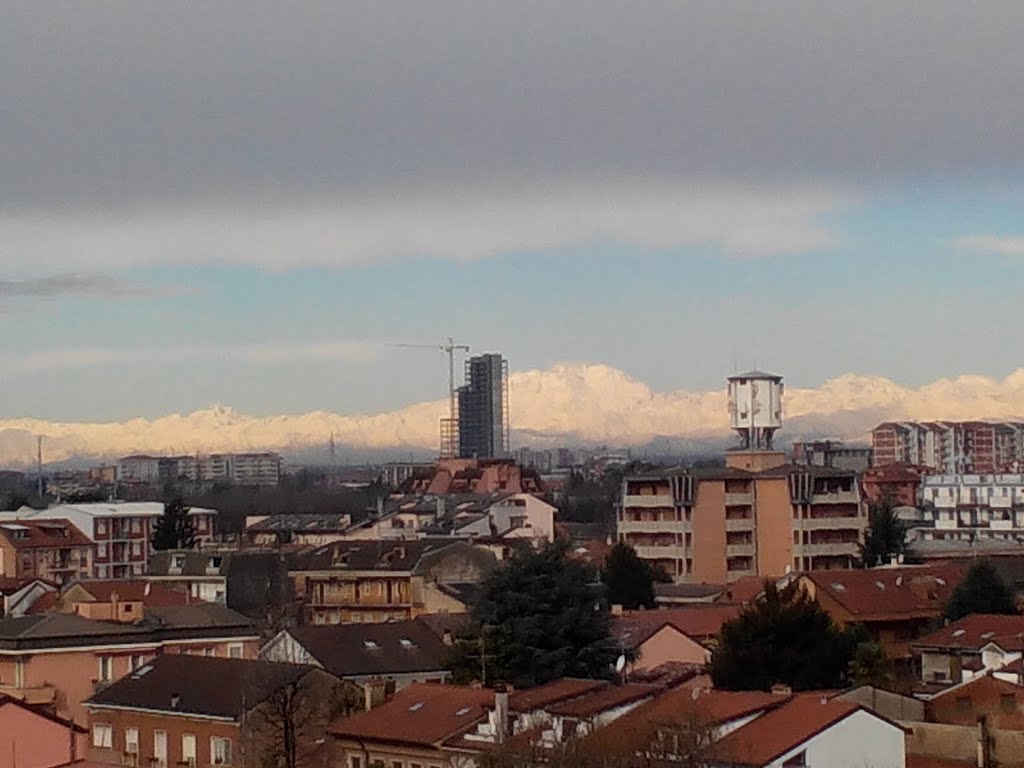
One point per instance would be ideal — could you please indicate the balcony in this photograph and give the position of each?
(673, 552)
(836, 497)
(739, 550)
(647, 502)
(827, 523)
(739, 499)
(847, 548)
(31, 694)
(745, 524)
(652, 526)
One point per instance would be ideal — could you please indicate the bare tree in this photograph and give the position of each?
(286, 729)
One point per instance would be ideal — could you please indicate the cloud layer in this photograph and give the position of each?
(567, 403)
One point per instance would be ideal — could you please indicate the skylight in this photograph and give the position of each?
(416, 707)
(987, 635)
(463, 711)
(839, 587)
(959, 632)
(370, 644)
(405, 642)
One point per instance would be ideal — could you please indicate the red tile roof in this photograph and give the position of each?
(532, 699)
(743, 590)
(784, 728)
(45, 602)
(423, 714)
(638, 728)
(890, 593)
(38, 534)
(603, 699)
(976, 631)
(699, 622)
(152, 594)
(986, 683)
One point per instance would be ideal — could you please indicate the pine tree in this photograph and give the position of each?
(981, 591)
(629, 580)
(541, 617)
(885, 536)
(174, 529)
(782, 637)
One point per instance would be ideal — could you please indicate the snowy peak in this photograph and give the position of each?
(572, 402)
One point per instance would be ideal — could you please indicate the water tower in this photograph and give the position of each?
(755, 408)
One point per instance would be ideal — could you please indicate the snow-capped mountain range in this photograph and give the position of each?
(572, 403)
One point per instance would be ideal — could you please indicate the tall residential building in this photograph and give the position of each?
(949, 447)
(483, 408)
(757, 516)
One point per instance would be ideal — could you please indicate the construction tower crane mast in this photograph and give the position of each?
(450, 348)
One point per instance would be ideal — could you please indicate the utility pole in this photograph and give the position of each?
(39, 465)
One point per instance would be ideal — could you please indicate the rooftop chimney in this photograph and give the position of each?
(175, 700)
(500, 713)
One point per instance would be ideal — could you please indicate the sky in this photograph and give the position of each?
(253, 203)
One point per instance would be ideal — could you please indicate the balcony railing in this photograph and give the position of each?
(647, 501)
(739, 499)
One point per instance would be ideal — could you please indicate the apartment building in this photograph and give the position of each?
(54, 550)
(250, 469)
(969, 507)
(951, 447)
(375, 581)
(58, 660)
(198, 712)
(120, 531)
(757, 516)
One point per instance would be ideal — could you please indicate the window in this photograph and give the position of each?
(397, 764)
(131, 740)
(799, 760)
(136, 525)
(1008, 703)
(177, 562)
(106, 673)
(101, 527)
(355, 761)
(220, 751)
(19, 673)
(188, 748)
(102, 736)
(235, 650)
(160, 749)
(137, 549)
(101, 550)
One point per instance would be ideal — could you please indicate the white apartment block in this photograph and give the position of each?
(967, 506)
(263, 469)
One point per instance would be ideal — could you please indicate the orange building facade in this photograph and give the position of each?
(757, 516)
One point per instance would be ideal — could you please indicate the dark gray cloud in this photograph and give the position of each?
(155, 104)
(92, 286)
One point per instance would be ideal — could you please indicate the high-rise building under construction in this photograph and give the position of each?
(483, 408)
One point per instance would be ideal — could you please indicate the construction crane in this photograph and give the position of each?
(450, 348)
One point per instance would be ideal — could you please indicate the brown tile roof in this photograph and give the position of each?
(784, 728)
(38, 534)
(44, 603)
(743, 590)
(133, 590)
(532, 699)
(356, 650)
(423, 714)
(699, 622)
(637, 728)
(986, 683)
(203, 685)
(976, 631)
(891, 593)
(603, 699)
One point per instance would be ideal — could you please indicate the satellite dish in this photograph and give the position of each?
(620, 663)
